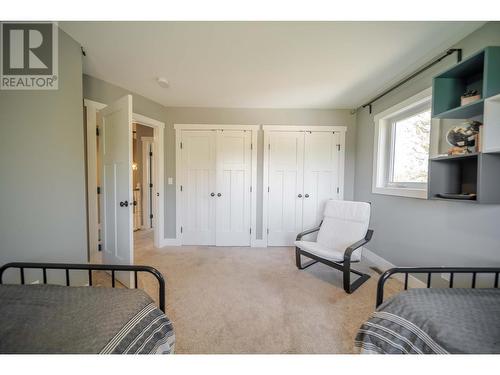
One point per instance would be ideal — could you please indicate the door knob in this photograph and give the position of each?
(307, 195)
(219, 194)
(212, 194)
(124, 204)
(300, 195)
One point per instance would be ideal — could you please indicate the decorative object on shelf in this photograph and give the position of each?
(462, 196)
(463, 138)
(469, 96)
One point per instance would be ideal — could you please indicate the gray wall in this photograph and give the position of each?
(411, 232)
(104, 92)
(42, 188)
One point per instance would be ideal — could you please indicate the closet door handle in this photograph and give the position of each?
(124, 204)
(307, 195)
(212, 194)
(219, 194)
(299, 196)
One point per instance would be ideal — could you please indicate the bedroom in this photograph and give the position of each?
(257, 132)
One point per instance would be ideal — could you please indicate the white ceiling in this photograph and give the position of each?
(261, 64)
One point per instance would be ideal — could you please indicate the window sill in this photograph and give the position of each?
(401, 192)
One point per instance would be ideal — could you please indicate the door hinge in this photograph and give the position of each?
(269, 146)
(98, 190)
(181, 229)
(181, 187)
(150, 185)
(338, 190)
(97, 131)
(338, 147)
(181, 145)
(99, 247)
(251, 146)
(250, 189)
(268, 189)
(267, 230)
(150, 153)
(250, 230)
(151, 216)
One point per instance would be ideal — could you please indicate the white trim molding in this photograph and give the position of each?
(384, 265)
(215, 127)
(146, 142)
(304, 128)
(93, 108)
(381, 148)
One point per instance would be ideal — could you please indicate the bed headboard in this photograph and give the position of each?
(473, 271)
(21, 266)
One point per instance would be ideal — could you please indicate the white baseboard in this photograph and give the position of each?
(384, 265)
(170, 242)
(259, 243)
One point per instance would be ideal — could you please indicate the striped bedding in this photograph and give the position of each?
(93, 320)
(434, 321)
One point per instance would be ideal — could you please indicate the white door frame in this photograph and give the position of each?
(179, 128)
(158, 164)
(265, 159)
(146, 141)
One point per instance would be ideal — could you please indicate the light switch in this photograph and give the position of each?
(170, 181)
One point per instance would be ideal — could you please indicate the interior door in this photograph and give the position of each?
(116, 179)
(233, 188)
(321, 174)
(198, 187)
(285, 191)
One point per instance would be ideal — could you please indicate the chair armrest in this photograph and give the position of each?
(348, 252)
(306, 232)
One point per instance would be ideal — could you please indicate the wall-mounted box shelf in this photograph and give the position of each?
(455, 157)
(491, 127)
(478, 72)
(472, 173)
(463, 112)
(476, 173)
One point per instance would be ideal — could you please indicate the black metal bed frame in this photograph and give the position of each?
(344, 266)
(90, 267)
(474, 271)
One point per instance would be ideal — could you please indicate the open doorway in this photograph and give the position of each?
(144, 192)
(142, 172)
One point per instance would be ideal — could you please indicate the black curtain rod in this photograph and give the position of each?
(410, 77)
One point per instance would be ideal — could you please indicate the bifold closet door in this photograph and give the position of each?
(233, 188)
(321, 174)
(286, 159)
(199, 183)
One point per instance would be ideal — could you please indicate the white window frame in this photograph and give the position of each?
(382, 156)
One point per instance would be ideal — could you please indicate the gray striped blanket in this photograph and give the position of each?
(60, 319)
(434, 321)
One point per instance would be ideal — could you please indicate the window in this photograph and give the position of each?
(401, 153)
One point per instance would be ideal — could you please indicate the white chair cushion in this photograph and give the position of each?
(345, 223)
(325, 252)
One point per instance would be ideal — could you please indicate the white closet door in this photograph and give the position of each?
(286, 158)
(198, 183)
(321, 174)
(233, 188)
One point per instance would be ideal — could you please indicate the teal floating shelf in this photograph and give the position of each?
(478, 72)
(463, 112)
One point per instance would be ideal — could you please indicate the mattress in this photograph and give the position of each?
(61, 319)
(434, 321)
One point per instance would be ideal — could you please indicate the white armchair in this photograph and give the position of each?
(341, 237)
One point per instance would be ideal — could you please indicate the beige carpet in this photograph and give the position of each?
(252, 300)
